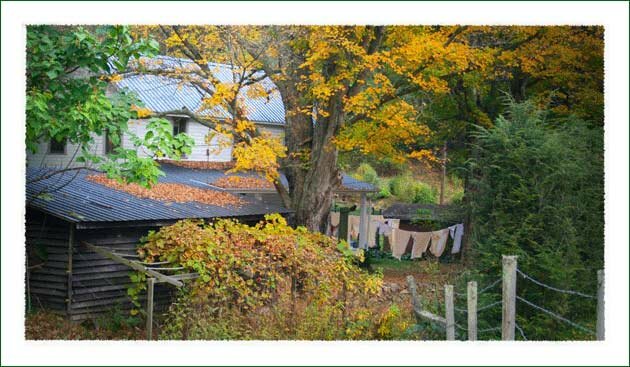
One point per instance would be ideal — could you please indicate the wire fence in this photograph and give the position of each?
(510, 286)
(488, 287)
(520, 330)
(555, 315)
(566, 291)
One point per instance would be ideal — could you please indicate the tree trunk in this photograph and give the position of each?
(312, 186)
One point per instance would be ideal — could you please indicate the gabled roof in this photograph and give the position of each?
(164, 94)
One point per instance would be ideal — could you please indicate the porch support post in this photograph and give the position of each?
(364, 222)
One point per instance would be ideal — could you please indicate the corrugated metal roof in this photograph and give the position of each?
(353, 184)
(79, 200)
(163, 94)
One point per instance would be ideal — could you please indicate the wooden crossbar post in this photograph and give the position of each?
(150, 289)
(450, 312)
(601, 327)
(508, 321)
(472, 311)
(133, 265)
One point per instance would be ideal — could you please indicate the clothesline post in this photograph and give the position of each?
(450, 312)
(472, 310)
(508, 320)
(364, 222)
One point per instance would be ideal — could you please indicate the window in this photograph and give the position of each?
(179, 125)
(57, 147)
(109, 143)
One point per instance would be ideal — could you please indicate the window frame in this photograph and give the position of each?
(177, 123)
(53, 141)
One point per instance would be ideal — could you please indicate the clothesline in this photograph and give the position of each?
(434, 241)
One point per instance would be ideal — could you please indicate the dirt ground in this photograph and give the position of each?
(430, 277)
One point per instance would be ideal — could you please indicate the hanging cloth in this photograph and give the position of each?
(373, 229)
(333, 225)
(420, 243)
(438, 241)
(456, 231)
(335, 217)
(394, 223)
(353, 227)
(400, 241)
(384, 228)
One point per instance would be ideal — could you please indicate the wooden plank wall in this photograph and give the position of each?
(47, 250)
(100, 284)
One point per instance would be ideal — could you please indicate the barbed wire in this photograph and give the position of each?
(489, 306)
(554, 288)
(555, 315)
(480, 308)
(481, 291)
(490, 286)
(520, 331)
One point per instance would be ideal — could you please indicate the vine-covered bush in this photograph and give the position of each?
(267, 281)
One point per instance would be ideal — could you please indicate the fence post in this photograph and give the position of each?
(508, 320)
(472, 311)
(150, 288)
(415, 300)
(450, 312)
(601, 325)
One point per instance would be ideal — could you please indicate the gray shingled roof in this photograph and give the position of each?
(163, 94)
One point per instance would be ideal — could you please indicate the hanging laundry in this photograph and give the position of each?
(373, 229)
(420, 243)
(394, 223)
(384, 228)
(400, 241)
(438, 241)
(456, 231)
(335, 217)
(333, 227)
(353, 227)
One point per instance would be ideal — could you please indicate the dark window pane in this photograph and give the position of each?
(109, 144)
(179, 126)
(57, 147)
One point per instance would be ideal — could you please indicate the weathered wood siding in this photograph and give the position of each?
(47, 240)
(99, 285)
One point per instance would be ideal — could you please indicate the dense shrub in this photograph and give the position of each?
(538, 193)
(383, 189)
(410, 190)
(267, 281)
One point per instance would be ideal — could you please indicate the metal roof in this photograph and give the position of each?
(163, 94)
(189, 176)
(349, 183)
(78, 200)
(70, 196)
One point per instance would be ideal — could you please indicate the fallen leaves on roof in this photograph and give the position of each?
(238, 182)
(200, 164)
(171, 192)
